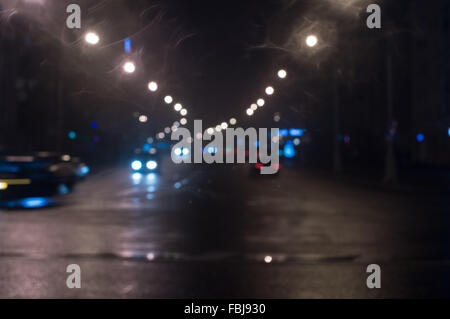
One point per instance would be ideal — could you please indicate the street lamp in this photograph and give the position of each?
(168, 99)
(270, 90)
(311, 41)
(224, 125)
(233, 121)
(153, 86)
(143, 118)
(253, 107)
(129, 67)
(250, 112)
(183, 121)
(282, 74)
(178, 107)
(92, 38)
(260, 102)
(183, 112)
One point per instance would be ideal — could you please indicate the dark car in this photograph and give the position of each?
(38, 175)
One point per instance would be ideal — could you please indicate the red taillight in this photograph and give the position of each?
(259, 166)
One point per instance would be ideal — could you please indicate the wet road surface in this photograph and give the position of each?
(217, 232)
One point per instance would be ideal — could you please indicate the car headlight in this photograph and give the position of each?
(136, 165)
(178, 151)
(152, 165)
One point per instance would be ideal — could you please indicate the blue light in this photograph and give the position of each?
(212, 150)
(289, 151)
(127, 45)
(72, 135)
(283, 132)
(84, 170)
(35, 202)
(295, 132)
(94, 125)
(163, 145)
(63, 189)
(449, 131)
(146, 147)
(420, 137)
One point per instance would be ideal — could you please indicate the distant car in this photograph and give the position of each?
(38, 175)
(145, 163)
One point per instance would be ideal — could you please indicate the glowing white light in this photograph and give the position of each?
(268, 259)
(161, 135)
(183, 112)
(253, 107)
(66, 158)
(150, 256)
(233, 121)
(260, 102)
(224, 125)
(168, 99)
(282, 74)
(186, 151)
(176, 124)
(183, 121)
(152, 165)
(250, 112)
(178, 107)
(153, 86)
(210, 131)
(92, 38)
(3, 186)
(218, 128)
(311, 41)
(129, 67)
(143, 118)
(136, 165)
(297, 141)
(270, 90)
(167, 130)
(277, 117)
(178, 151)
(174, 128)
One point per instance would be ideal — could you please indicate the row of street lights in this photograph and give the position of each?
(129, 67)
(311, 41)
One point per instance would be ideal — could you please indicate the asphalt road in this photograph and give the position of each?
(210, 232)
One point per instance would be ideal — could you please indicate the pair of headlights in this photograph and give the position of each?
(137, 165)
(181, 151)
